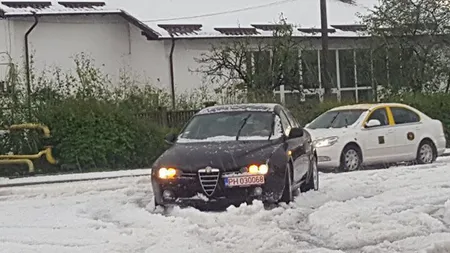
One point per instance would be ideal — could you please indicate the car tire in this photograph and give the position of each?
(288, 195)
(312, 182)
(351, 158)
(426, 153)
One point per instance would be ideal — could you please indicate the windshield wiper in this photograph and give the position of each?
(334, 118)
(242, 126)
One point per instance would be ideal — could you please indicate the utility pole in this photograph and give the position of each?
(325, 77)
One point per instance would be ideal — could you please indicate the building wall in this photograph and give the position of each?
(4, 48)
(111, 41)
(186, 50)
(56, 40)
(116, 45)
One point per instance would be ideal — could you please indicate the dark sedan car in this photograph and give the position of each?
(231, 154)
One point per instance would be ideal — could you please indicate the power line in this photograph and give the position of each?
(223, 12)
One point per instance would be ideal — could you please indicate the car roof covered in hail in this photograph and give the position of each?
(239, 107)
(366, 106)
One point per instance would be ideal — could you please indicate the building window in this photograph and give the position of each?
(394, 67)
(348, 95)
(332, 72)
(310, 69)
(366, 95)
(380, 71)
(363, 67)
(291, 72)
(347, 68)
(292, 98)
(350, 71)
(259, 62)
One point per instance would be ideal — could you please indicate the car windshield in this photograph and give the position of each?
(227, 126)
(336, 119)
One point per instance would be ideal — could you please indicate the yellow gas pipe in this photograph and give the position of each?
(28, 162)
(44, 129)
(26, 159)
(47, 152)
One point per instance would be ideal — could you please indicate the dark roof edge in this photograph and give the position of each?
(258, 37)
(146, 30)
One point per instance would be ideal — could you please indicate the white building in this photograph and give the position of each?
(136, 34)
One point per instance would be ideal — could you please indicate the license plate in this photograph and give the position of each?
(244, 181)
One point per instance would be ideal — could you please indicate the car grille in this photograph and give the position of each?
(209, 178)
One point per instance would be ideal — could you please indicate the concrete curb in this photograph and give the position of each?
(19, 184)
(94, 178)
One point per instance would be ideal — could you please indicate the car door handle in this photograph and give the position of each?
(390, 131)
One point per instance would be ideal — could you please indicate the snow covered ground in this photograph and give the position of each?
(401, 209)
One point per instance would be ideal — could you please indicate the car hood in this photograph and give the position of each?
(228, 156)
(327, 132)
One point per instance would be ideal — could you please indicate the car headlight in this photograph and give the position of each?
(258, 169)
(325, 142)
(167, 173)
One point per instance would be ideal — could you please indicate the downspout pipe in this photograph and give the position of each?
(27, 64)
(172, 76)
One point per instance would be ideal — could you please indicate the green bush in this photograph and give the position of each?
(100, 135)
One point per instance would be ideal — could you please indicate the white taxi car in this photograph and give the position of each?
(348, 137)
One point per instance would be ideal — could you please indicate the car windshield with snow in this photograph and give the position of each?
(349, 137)
(231, 154)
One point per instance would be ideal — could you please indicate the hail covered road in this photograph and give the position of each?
(401, 209)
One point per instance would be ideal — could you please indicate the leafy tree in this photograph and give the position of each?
(411, 36)
(254, 66)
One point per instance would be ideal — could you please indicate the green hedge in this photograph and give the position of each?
(101, 135)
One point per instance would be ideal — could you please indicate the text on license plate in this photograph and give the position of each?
(244, 180)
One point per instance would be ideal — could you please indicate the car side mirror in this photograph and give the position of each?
(295, 132)
(373, 123)
(170, 138)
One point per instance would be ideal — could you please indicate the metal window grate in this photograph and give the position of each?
(24, 4)
(181, 29)
(315, 30)
(74, 5)
(237, 30)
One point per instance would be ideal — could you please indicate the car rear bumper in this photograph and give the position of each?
(189, 192)
(441, 145)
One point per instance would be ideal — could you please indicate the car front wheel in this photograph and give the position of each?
(351, 158)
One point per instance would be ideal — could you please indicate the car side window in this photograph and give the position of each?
(404, 116)
(381, 115)
(285, 122)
